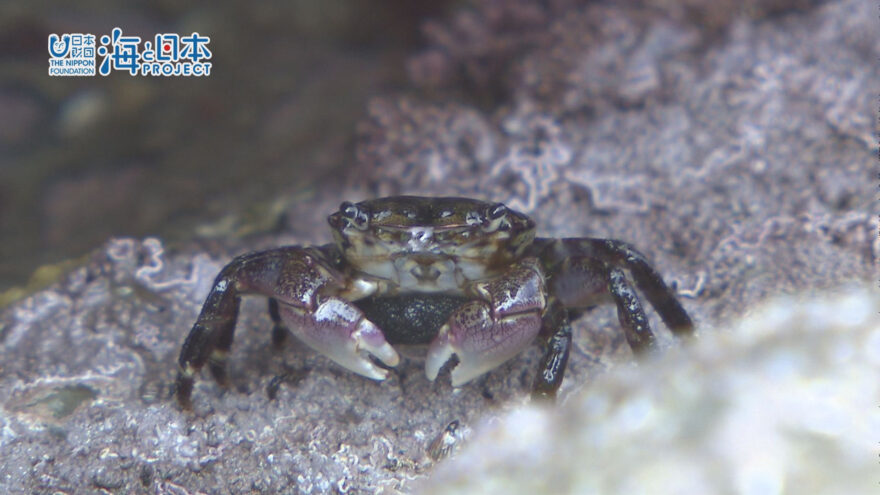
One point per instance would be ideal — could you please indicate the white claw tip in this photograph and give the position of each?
(435, 360)
(387, 355)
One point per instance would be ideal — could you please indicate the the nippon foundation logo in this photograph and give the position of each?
(72, 55)
(165, 55)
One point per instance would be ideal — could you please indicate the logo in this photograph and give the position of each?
(165, 55)
(72, 55)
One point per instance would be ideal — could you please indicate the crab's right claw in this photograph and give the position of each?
(339, 330)
(479, 341)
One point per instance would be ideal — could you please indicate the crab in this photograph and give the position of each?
(467, 277)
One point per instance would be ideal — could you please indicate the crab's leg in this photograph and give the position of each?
(577, 281)
(555, 323)
(488, 331)
(308, 290)
(279, 331)
(211, 334)
(630, 313)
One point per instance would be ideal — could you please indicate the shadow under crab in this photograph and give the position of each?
(467, 277)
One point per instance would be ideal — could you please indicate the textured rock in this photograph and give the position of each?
(722, 154)
(738, 158)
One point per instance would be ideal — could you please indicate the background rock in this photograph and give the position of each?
(275, 117)
(736, 154)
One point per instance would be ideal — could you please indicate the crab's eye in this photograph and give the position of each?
(497, 211)
(348, 210)
(496, 218)
(356, 215)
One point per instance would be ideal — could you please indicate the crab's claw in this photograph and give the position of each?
(340, 331)
(479, 341)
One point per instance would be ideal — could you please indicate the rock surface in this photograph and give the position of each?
(785, 401)
(739, 158)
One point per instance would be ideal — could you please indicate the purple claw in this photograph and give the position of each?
(479, 342)
(339, 330)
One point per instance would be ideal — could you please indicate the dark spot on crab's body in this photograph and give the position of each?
(410, 318)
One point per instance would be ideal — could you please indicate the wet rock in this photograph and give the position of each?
(22, 113)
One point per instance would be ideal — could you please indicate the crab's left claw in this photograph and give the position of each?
(483, 334)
